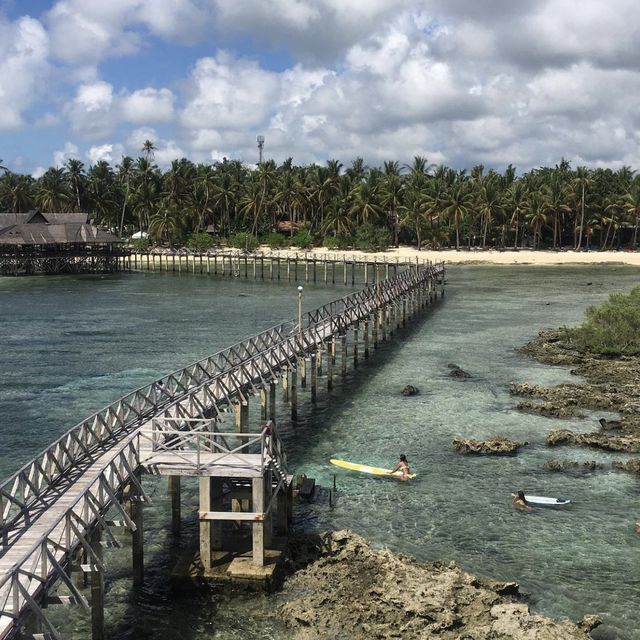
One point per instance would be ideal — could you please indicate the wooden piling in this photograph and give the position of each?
(343, 354)
(314, 377)
(173, 487)
(294, 393)
(257, 492)
(97, 591)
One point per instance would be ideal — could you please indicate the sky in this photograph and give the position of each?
(460, 82)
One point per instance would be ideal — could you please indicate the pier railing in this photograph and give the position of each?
(105, 447)
(227, 373)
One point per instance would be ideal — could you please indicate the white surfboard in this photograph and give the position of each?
(542, 501)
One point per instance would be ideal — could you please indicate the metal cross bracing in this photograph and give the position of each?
(49, 506)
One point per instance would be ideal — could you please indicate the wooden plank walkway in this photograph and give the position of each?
(49, 506)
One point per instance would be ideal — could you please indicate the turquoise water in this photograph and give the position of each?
(73, 345)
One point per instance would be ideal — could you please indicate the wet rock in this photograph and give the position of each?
(571, 465)
(612, 384)
(493, 446)
(548, 409)
(631, 444)
(456, 372)
(632, 466)
(353, 591)
(610, 425)
(590, 622)
(410, 390)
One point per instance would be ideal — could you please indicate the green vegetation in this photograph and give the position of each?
(370, 238)
(245, 241)
(200, 242)
(418, 204)
(275, 240)
(612, 329)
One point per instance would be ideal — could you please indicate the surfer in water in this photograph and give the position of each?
(520, 502)
(403, 466)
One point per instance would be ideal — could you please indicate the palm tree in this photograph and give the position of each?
(458, 204)
(164, 223)
(52, 192)
(74, 173)
(582, 182)
(489, 205)
(17, 192)
(125, 175)
(148, 147)
(146, 191)
(631, 203)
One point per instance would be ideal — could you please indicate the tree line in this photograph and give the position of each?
(420, 204)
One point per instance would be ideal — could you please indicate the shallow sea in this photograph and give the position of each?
(72, 345)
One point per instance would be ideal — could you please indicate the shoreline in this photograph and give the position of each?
(479, 256)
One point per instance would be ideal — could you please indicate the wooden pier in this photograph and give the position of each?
(328, 268)
(53, 511)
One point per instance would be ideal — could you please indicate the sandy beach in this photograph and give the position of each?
(489, 256)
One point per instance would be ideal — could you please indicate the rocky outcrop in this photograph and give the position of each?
(612, 384)
(348, 590)
(493, 446)
(456, 372)
(410, 390)
(604, 441)
(633, 466)
(571, 465)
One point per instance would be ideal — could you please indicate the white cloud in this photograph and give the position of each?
(24, 47)
(465, 83)
(148, 105)
(90, 113)
(110, 153)
(61, 156)
(227, 92)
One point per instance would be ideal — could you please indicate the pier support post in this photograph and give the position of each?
(210, 530)
(319, 362)
(404, 311)
(257, 491)
(173, 487)
(285, 384)
(303, 372)
(137, 536)
(242, 419)
(331, 347)
(343, 354)
(272, 400)
(383, 322)
(294, 394)
(314, 377)
(355, 345)
(366, 338)
(97, 591)
(374, 329)
(263, 404)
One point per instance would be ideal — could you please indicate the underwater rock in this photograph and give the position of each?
(493, 446)
(456, 372)
(630, 444)
(571, 465)
(410, 390)
(633, 466)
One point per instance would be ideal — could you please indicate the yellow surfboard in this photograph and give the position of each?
(364, 468)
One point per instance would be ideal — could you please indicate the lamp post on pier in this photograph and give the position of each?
(300, 290)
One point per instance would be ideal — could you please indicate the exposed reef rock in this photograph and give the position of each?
(456, 372)
(571, 465)
(410, 390)
(597, 440)
(611, 384)
(633, 466)
(345, 589)
(493, 446)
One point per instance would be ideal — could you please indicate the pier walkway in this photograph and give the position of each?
(56, 512)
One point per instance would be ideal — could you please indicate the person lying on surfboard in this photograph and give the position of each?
(520, 502)
(403, 466)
